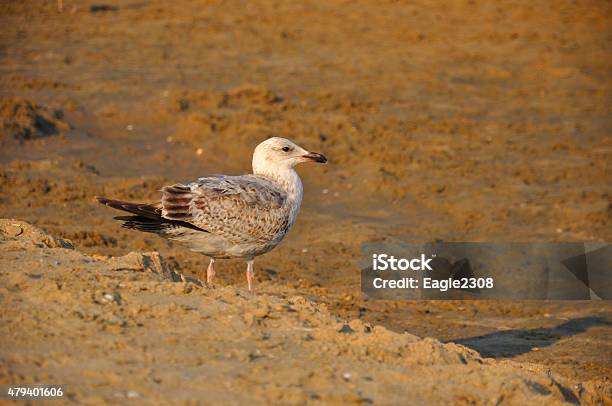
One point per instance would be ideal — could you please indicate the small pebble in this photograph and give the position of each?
(304, 250)
(346, 329)
(13, 230)
(111, 298)
(199, 151)
(346, 376)
(132, 394)
(249, 318)
(261, 312)
(129, 127)
(325, 191)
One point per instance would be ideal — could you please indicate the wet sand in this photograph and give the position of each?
(464, 122)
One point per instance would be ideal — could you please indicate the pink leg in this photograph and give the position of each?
(210, 271)
(250, 275)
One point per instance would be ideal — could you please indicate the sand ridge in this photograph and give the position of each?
(153, 335)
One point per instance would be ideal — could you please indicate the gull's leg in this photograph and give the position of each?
(210, 271)
(250, 274)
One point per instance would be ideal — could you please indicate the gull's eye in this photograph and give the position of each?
(286, 149)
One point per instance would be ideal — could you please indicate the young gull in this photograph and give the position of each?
(229, 216)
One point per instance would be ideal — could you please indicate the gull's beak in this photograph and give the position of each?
(315, 157)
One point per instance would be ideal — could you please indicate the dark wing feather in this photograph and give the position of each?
(176, 202)
(152, 211)
(144, 224)
(148, 217)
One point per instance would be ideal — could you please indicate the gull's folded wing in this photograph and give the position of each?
(240, 209)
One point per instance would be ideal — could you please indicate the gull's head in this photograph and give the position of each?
(276, 154)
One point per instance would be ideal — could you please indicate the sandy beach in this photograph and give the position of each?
(468, 121)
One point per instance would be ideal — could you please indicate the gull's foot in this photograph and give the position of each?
(250, 274)
(210, 271)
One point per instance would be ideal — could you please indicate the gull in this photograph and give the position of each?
(225, 216)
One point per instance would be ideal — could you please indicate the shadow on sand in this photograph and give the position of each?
(506, 344)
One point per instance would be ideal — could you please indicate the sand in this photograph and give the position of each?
(94, 319)
(469, 121)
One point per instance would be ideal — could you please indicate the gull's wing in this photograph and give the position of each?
(241, 209)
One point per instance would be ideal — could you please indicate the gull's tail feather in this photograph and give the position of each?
(147, 217)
